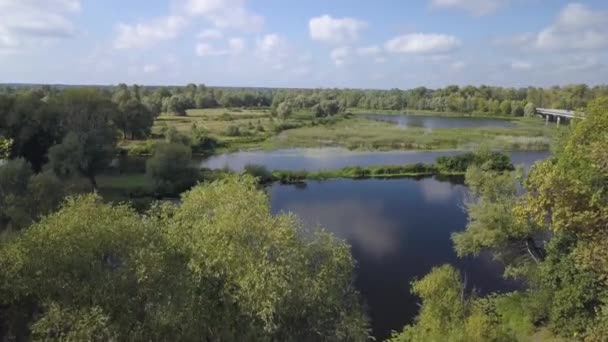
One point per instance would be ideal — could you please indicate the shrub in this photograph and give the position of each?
(260, 172)
(233, 131)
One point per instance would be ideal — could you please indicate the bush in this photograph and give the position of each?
(171, 168)
(260, 172)
(289, 177)
(233, 131)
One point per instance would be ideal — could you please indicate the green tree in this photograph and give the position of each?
(284, 110)
(217, 267)
(530, 110)
(134, 119)
(24, 196)
(448, 314)
(90, 143)
(171, 167)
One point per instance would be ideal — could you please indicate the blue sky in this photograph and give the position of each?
(313, 43)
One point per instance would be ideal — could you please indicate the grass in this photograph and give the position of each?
(360, 133)
(258, 129)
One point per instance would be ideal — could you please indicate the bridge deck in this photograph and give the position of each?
(558, 112)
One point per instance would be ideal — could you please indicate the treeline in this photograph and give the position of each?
(481, 100)
(552, 238)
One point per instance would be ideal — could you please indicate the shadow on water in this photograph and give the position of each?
(398, 230)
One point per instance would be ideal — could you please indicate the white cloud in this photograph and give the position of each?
(372, 50)
(521, 65)
(475, 7)
(335, 30)
(224, 14)
(422, 43)
(340, 55)
(270, 44)
(210, 34)
(28, 23)
(234, 46)
(147, 34)
(576, 28)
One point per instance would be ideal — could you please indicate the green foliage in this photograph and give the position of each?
(134, 119)
(218, 267)
(24, 196)
(529, 110)
(487, 160)
(5, 147)
(260, 172)
(447, 314)
(233, 131)
(171, 168)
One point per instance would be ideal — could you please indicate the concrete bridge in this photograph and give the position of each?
(557, 115)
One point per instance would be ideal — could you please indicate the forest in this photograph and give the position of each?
(218, 265)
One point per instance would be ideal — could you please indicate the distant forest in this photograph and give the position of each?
(482, 100)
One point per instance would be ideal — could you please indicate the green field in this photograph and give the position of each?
(259, 129)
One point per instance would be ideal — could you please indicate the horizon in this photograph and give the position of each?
(270, 44)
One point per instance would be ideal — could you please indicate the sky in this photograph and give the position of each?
(313, 43)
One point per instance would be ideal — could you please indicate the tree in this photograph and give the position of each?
(284, 110)
(24, 196)
(133, 119)
(530, 110)
(32, 125)
(179, 104)
(171, 167)
(90, 143)
(505, 107)
(447, 314)
(218, 267)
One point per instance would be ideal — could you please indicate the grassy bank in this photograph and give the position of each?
(445, 166)
(360, 133)
(258, 129)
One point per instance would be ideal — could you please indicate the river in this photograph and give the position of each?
(398, 229)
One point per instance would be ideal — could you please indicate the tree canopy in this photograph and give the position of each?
(218, 267)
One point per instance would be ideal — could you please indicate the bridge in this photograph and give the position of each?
(557, 114)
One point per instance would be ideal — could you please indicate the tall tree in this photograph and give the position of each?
(90, 142)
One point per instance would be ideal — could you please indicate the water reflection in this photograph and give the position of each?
(398, 230)
(430, 122)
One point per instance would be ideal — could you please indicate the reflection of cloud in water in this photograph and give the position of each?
(435, 191)
(362, 224)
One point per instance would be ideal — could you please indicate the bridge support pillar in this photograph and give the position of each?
(546, 119)
(558, 120)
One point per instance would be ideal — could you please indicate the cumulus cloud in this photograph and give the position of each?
(234, 46)
(422, 43)
(372, 50)
(224, 14)
(210, 34)
(147, 34)
(30, 22)
(335, 30)
(340, 55)
(577, 27)
(475, 7)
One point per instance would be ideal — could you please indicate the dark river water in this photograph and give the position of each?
(398, 230)
(431, 122)
(313, 159)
